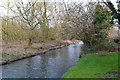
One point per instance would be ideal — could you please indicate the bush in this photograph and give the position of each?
(95, 37)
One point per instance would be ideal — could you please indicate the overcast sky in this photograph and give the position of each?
(3, 2)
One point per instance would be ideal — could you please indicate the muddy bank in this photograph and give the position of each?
(19, 50)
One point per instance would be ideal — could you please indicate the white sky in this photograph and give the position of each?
(3, 2)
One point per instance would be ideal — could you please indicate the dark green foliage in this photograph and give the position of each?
(96, 39)
(115, 13)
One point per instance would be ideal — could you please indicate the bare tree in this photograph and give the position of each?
(7, 7)
(77, 16)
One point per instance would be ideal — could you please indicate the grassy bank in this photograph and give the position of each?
(102, 65)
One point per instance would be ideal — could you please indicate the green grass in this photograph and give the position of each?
(95, 66)
(4, 55)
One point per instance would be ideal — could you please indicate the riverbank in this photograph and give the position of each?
(102, 65)
(19, 50)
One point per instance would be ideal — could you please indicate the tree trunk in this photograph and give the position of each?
(29, 42)
(30, 38)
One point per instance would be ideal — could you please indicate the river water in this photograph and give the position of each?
(53, 64)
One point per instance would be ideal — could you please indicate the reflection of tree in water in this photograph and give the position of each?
(40, 65)
(43, 66)
(56, 59)
(29, 67)
(52, 53)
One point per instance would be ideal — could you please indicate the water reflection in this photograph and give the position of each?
(53, 64)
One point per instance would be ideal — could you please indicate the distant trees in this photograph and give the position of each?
(28, 15)
(88, 23)
(7, 7)
(15, 32)
(76, 17)
(36, 19)
(55, 21)
(32, 16)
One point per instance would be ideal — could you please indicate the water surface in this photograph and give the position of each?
(53, 64)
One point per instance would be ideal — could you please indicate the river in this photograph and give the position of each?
(53, 64)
